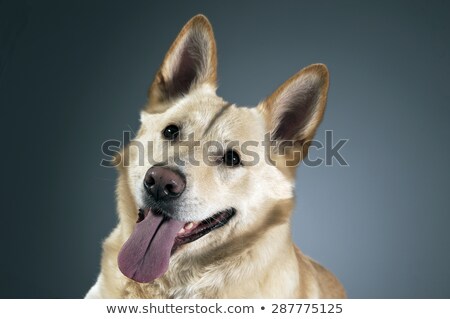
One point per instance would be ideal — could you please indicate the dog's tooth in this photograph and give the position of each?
(189, 226)
(182, 231)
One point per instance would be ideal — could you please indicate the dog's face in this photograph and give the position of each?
(202, 172)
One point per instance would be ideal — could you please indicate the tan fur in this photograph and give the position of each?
(253, 256)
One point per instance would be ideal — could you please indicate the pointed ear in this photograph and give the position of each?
(294, 111)
(191, 61)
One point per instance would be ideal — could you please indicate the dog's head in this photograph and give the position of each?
(202, 171)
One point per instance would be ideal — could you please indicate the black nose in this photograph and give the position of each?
(164, 183)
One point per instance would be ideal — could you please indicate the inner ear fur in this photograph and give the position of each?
(294, 111)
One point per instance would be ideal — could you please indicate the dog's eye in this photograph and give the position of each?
(231, 158)
(171, 132)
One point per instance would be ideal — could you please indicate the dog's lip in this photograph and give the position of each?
(194, 230)
(190, 233)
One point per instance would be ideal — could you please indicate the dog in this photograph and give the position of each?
(218, 227)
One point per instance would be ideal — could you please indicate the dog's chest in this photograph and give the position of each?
(162, 290)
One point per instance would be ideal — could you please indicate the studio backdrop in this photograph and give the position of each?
(74, 74)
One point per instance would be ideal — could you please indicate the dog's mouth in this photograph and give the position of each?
(145, 255)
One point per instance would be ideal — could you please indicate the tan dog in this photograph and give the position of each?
(217, 226)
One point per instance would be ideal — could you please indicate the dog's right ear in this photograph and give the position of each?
(190, 62)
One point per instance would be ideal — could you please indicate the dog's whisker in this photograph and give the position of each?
(132, 131)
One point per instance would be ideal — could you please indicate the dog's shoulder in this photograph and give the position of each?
(316, 281)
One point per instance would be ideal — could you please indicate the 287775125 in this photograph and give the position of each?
(307, 308)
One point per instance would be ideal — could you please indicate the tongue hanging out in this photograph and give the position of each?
(145, 255)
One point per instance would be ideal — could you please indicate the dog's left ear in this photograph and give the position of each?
(190, 62)
(294, 111)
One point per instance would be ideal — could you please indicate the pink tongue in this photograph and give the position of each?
(145, 255)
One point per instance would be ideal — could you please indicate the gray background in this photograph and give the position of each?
(74, 74)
